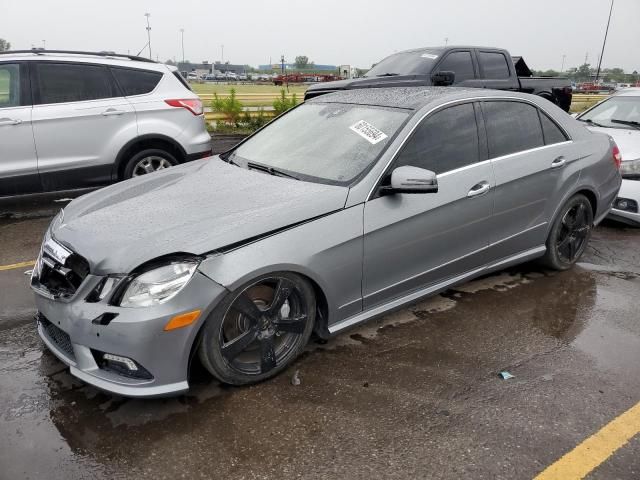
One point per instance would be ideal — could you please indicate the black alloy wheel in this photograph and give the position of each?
(569, 234)
(257, 331)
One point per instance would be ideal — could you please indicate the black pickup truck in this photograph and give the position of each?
(476, 67)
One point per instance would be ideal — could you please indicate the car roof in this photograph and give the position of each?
(413, 98)
(102, 58)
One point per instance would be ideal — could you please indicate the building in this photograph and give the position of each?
(292, 66)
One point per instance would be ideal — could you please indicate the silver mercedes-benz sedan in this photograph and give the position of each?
(345, 208)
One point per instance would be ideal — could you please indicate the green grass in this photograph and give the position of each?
(4, 89)
(212, 88)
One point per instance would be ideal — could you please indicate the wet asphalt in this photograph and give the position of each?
(415, 394)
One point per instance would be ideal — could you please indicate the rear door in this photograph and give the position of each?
(80, 122)
(18, 161)
(415, 240)
(497, 70)
(533, 168)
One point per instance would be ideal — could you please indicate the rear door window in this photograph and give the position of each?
(444, 141)
(136, 82)
(9, 85)
(511, 127)
(70, 82)
(460, 63)
(552, 133)
(494, 65)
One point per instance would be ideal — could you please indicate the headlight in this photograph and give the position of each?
(630, 167)
(158, 286)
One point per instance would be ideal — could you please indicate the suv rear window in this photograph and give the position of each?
(136, 82)
(70, 82)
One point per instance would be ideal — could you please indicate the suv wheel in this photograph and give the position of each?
(148, 161)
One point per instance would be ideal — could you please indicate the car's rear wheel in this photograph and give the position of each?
(259, 329)
(149, 161)
(569, 234)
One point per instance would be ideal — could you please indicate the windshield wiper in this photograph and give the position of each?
(631, 123)
(270, 170)
(388, 75)
(591, 122)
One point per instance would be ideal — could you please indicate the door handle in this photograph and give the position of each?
(479, 189)
(112, 111)
(9, 121)
(558, 162)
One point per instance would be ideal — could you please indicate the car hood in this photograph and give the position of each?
(628, 140)
(394, 81)
(194, 208)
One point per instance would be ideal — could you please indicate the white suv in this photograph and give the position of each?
(76, 119)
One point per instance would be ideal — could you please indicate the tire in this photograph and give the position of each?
(157, 158)
(569, 234)
(259, 329)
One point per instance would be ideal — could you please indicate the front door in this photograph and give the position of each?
(414, 240)
(18, 160)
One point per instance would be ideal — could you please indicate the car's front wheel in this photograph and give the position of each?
(148, 161)
(259, 329)
(569, 234)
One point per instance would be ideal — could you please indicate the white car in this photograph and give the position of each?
(619, 117)
(77, 119)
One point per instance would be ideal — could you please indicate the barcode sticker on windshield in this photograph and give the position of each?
(368, 132)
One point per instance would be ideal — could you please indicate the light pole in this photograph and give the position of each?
(182, 32)
(148, 34)
(446, 41)
(222, 49)
(562, 67)
(44, 44)
(604, 42)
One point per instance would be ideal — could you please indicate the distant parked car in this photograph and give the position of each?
(220, 76)
(242, 77)
(193, 76)
(619, 116)
(343, 209)
(72, 120)
(231, 76)
(209, 77)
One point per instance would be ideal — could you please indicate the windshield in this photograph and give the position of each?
(615, 113)
(322, 142)
(406, 63)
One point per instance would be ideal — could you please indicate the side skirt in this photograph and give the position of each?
(400, 302)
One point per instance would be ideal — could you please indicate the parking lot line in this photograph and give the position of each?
(587, 456)
(13, 266)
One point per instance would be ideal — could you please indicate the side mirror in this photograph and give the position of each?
(443, 79)
(411, 180)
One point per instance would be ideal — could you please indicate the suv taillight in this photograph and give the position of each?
(194, 105)
(617, 157)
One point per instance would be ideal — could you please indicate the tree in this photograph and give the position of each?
(170, 62)
(583, 72)
(302, 61)
(282, 103)
(4, 45)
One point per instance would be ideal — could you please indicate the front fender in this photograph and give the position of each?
(328, 251)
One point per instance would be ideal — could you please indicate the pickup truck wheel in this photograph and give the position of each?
(259, 329)
(148, 161)
(569, 234)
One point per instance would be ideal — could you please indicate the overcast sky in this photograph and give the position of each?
(351, 32)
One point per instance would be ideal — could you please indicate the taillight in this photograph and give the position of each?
(194, 105)
(617, 157)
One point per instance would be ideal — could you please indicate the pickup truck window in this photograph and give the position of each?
(551, 131)
(444, 141)
(405, 63)
(511, 127)
(460, 63)
(494, 65)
